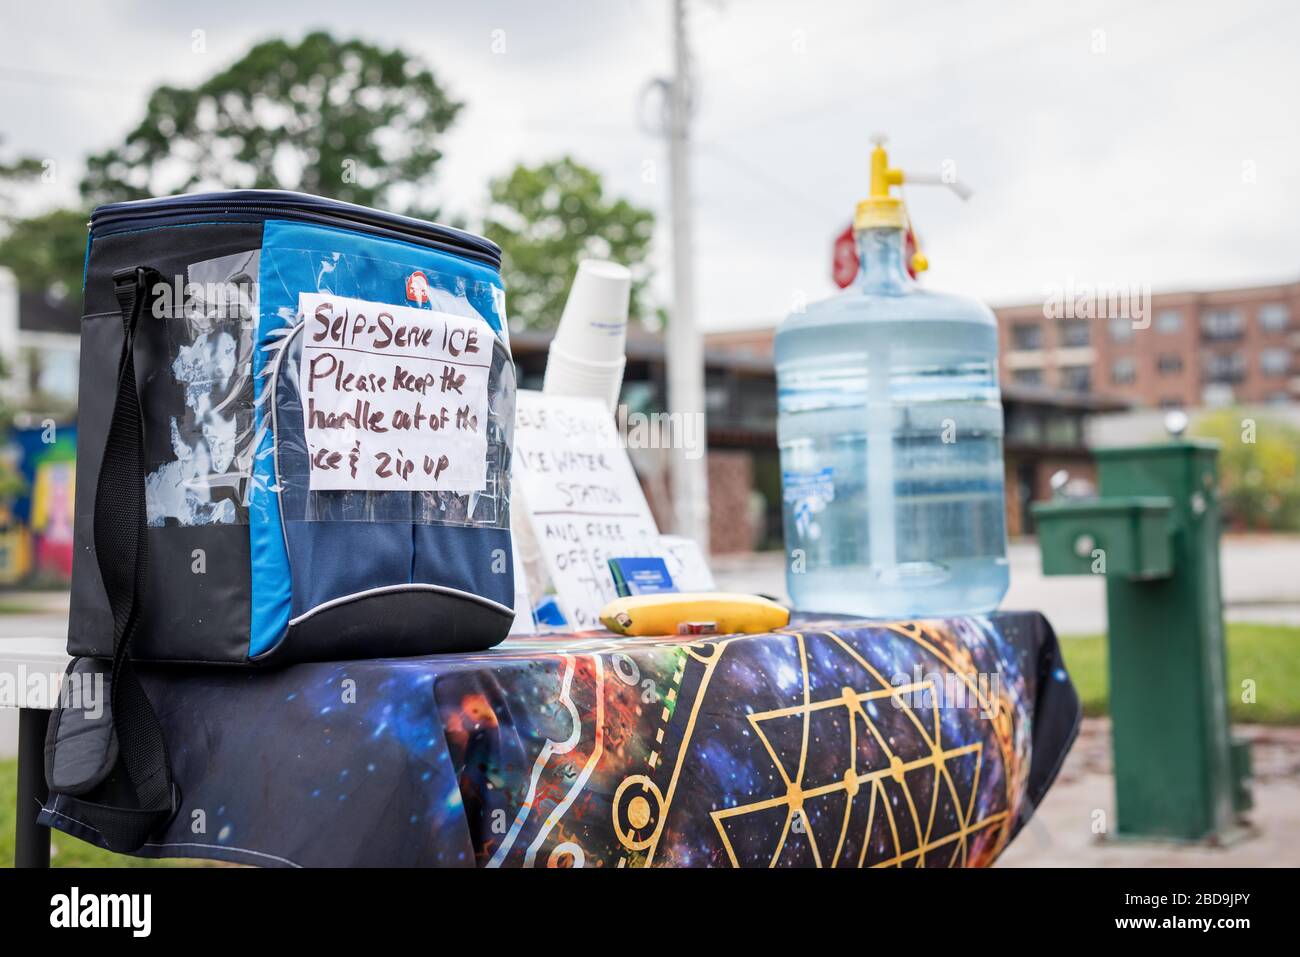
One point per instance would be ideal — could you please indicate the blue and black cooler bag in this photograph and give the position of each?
(293, 443)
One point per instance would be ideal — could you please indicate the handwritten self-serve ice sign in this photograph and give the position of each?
(393, 398)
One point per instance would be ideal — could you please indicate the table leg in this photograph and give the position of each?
(32, 842)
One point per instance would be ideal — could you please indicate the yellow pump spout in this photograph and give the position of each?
(880, 209)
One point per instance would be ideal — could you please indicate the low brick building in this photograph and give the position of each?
(1187, 349)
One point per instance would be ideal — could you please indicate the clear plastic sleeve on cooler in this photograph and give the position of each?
(238, 424)
(292, 456)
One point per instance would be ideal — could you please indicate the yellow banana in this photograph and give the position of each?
(672, 613)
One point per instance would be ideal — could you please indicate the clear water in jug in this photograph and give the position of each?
(890, 430)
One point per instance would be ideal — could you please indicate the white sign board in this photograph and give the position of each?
(686, 564)
(585, 503)
(393, 398)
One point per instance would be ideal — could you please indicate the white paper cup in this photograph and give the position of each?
(593, 326)
(569, 375)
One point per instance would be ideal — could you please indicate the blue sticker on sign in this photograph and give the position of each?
(641, 576)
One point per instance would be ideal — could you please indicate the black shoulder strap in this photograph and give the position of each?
(121, 547)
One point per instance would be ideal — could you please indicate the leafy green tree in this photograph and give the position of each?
(1259, 468)
(47, 253)
(18, 170)
(545, 219)
(12, 485)
(338, 118)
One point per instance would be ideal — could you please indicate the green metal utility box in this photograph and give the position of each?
(1120, 536)
(1154, 533)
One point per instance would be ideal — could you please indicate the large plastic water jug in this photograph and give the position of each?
(890, 429)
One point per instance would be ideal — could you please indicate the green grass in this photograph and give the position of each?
(1269, 655)
(66, 851)
(17, 608)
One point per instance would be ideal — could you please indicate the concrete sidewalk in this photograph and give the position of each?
(45, 601)
(1259, 583)
(33, 614)
(1061, 833)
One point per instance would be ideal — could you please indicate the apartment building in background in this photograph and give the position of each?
(40, 351)
(1197, 348)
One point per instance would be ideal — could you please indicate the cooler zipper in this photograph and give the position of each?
(315, 209)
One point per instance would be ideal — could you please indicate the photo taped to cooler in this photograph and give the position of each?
(197, 473)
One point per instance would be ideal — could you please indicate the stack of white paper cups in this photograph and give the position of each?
(587, 354)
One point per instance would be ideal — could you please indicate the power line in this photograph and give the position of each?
(25, 76)
(804, 200)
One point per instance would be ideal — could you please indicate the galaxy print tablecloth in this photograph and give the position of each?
(832, 744)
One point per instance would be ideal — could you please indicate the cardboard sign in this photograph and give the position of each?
(585, 503)
(394, 398)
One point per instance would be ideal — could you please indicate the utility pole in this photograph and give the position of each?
(685, 351)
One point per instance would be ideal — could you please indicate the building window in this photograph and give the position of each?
(1222, 324)
(1217, 395)
(1121, 330)
(1026, 336)
(1273, 317)
(51, 374)
(1123, 371)
(1024, 426)
(1027, 376)
(1169, 320)
(1170, 363)
(1063, 430)
(1225, 367)
(1275, 362)
(1076, 378)
(1075, 333)
(717, 398)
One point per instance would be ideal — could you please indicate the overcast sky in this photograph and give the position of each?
(1105, 142)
